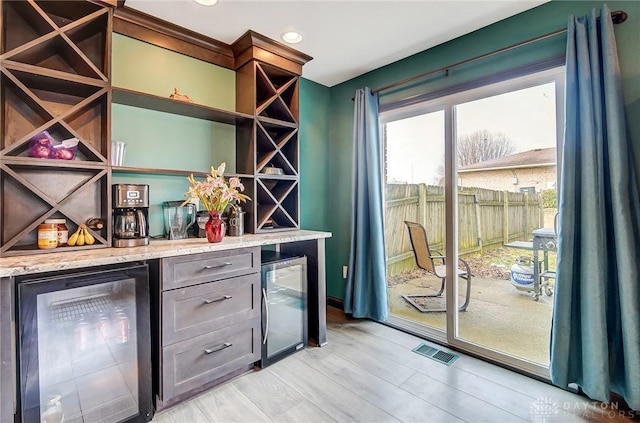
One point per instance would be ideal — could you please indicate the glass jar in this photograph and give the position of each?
(63, 231)
(47, 235)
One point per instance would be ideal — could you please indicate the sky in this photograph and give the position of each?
(415, 146)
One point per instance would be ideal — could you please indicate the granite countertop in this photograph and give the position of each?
(47, 262)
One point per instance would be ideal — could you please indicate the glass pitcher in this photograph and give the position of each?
(178, 219)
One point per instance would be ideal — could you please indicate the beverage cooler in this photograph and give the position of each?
(84, 346)
(284, 302)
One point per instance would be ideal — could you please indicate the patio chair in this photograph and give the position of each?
(434, 264)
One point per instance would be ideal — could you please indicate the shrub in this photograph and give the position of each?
(550, 199)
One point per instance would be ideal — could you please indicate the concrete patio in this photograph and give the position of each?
(499, 316)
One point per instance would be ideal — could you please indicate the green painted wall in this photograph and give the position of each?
(144, 67)
(535, 22)
(167, 141)
(161, 188)
(314, 129)
(162, 140)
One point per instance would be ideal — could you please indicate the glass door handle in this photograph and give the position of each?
(208, 351)
(226, 297)
(266, 314)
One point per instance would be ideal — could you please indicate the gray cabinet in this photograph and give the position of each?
(199, 309)
(209, 320)
(205, 267)
(195, 362)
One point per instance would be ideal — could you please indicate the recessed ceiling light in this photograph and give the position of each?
(206, 2)
(292, 37)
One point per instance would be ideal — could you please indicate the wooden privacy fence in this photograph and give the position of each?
(486, 219)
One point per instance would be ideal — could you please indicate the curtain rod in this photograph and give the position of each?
(617, 17)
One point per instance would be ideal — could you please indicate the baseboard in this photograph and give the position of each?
(335, 302)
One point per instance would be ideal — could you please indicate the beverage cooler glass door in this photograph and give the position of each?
(84, 346)
(284, 291)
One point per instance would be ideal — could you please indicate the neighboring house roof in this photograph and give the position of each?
(532, 158)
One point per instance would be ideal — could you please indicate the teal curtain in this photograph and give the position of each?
(366, 290)
(595, 339)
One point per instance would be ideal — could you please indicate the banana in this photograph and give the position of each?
(80, 241)
(88, 238)
(73, 239)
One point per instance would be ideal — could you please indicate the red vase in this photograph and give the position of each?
(215, 227)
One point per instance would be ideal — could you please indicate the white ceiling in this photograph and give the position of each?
(346, 38)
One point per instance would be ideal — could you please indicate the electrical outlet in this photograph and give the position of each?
(344, 271)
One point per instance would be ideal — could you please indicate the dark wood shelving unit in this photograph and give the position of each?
(54, 77)
(55, 58)
(266, 123)
(273, 98)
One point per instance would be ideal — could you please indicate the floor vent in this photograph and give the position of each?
(436, 354)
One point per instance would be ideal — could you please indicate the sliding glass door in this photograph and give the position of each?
(414, 192)
(476, 170)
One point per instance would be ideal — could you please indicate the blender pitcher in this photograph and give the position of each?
(178, 219)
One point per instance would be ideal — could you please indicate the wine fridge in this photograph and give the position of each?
(284, 302)
(84, 346)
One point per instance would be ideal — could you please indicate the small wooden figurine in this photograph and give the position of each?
(182, 97)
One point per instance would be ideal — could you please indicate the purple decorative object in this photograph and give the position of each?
(44, 146)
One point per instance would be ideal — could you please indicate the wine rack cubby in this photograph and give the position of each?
(273, 99)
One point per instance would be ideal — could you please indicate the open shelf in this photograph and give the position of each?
(65, 12)
(177, 107)
(276, 94)
(275, 77)
(55, 95)
(176, 172)
(63, 108)
(276, 146)
(90, 38)
(276, 204)
(276, 122)
(58, 55)
(277, 110)
(42, 192)
(23, 24)
(22, 113)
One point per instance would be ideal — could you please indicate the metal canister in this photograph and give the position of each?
(236, 222)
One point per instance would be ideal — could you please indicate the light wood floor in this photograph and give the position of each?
(368, 373)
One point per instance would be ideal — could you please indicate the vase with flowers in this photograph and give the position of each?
(215, 194)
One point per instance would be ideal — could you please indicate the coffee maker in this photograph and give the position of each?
(130, 215)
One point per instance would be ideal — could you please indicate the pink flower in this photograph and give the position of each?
(214, 192)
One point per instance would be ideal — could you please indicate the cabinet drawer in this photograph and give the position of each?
(198, 268)
(192, 363)
(195, 310)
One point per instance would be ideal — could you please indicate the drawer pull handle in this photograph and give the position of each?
(217, 266)
(226, 297)
(208, 351)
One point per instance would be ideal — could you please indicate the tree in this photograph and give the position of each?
(481, 146)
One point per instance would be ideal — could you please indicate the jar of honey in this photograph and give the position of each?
(63, 231)
(47, 235)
